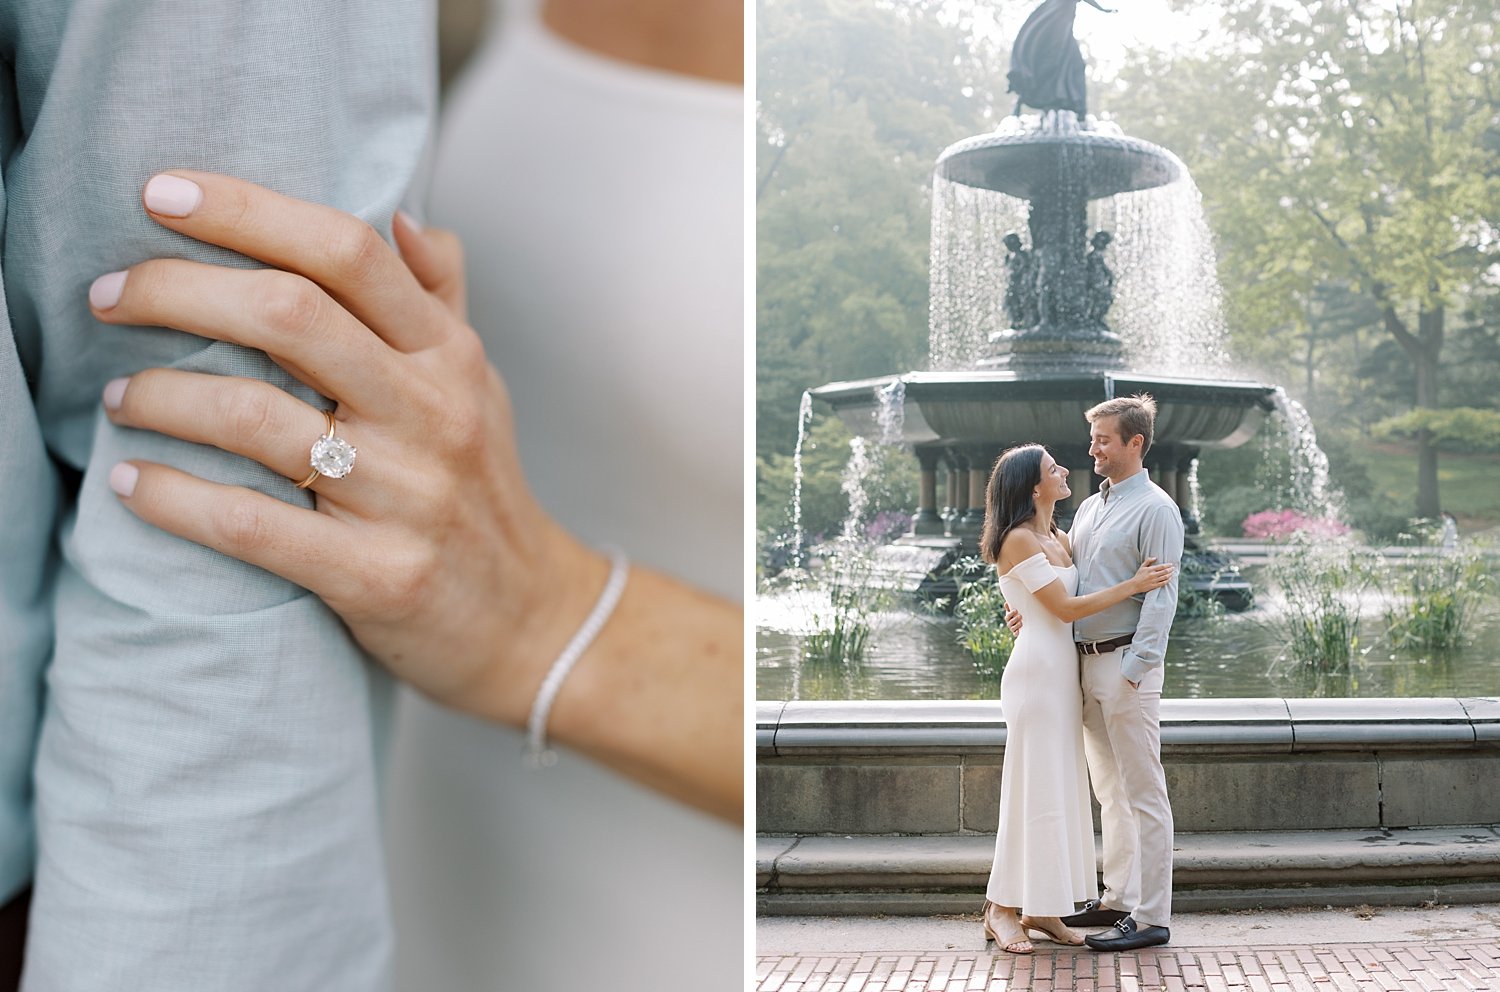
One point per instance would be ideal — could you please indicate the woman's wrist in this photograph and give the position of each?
(527, 636)
(659, 697)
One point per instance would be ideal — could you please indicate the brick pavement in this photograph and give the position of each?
(1408, 966)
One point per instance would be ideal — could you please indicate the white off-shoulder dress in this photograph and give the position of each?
(1044, 849)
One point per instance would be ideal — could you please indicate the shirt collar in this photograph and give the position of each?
(1130, 485)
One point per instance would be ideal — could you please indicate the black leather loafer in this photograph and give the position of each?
(1127, 935)
(1094, 915)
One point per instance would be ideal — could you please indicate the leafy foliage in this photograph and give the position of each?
(1322, 582)
(1436, 599)
(1349, 154)
(980, 611)
(855, 101)
(1461, 429)
(841, 629)
(1349, 157)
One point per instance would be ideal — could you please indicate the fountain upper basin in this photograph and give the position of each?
(1025, 163)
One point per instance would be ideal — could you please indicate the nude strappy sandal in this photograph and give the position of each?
(1057, 931)
(1016, 943)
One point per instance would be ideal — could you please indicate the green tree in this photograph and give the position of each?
(855, 101)
(1342, 141)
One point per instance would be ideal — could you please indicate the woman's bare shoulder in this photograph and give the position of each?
(1018, 545)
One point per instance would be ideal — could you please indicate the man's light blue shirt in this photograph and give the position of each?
(1114, 531)
(203, 810)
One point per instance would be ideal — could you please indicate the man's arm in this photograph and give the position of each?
(207, 771)
(1161, 538)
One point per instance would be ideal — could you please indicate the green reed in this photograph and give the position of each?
(1435, 599)
(841, 629)
(979, 609)
(1322, 581)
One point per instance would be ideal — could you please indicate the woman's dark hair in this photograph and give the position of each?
(1008, 501)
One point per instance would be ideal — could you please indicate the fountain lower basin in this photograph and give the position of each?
(1003, 408)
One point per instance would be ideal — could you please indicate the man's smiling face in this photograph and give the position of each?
(1112, 456)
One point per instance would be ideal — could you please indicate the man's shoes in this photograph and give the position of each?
(1127, 935)
(1095, 915)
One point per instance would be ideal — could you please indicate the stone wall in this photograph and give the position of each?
(885, 807)
(1232, 765)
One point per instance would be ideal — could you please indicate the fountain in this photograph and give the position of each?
(1029, 331)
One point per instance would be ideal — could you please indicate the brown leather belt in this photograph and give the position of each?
(1104, 647)
(13, 940)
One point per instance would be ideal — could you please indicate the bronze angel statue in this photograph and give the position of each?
(1046, 67)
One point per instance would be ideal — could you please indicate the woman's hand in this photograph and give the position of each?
(432, 549)
(394, 548)
(1150, 576)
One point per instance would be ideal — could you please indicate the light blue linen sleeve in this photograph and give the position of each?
(28, 496)
(1161, 537)
(207, 770)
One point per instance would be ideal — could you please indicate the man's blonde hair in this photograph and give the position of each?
(1137, 415)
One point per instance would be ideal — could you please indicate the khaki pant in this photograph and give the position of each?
(1122, 742)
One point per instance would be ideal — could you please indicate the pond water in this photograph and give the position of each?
(915, 655)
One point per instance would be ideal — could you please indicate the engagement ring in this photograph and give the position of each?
(331, 456)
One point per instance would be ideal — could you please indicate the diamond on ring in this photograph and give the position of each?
(331, 456)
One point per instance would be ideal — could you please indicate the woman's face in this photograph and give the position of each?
(1054, 484)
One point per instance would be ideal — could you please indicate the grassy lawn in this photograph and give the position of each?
(1468, 485)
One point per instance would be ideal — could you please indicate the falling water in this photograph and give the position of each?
(864, 461)
(1195, 492)
(890, 413)
(1168, 303)
(856, 473)
(1311, 491)
(804, 418)
(968, 274)
(890, 416)
(1169, 306)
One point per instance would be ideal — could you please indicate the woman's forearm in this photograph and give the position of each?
(661, 698)
(657, 696)
(1079, 607)
(1070, 608)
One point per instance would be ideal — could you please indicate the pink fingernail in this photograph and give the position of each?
(106, 290)
(123, 477)
(172, 196)
(409, 221)
(114, 393)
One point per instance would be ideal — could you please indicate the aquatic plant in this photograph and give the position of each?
(841, 628)
(1435, 599)
(1321, 583)
(979, 609)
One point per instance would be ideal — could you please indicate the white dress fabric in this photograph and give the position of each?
(601, 211)
(1044, 848)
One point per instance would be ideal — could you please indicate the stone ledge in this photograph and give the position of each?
(925, 875)
(1198, 726)
(1192, 901)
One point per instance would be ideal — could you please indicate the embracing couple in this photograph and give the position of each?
(1091, 607)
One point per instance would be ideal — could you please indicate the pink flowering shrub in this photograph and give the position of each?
(1276, 524)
